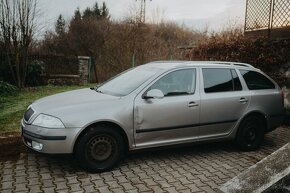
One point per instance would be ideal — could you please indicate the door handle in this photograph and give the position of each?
(243, 100)
(192, 104)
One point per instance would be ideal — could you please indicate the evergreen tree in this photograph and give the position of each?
(104, 11)
(88, 13)
(77, 15)
(60, 25)
(97, 11)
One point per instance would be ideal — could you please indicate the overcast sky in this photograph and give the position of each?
(196, 14)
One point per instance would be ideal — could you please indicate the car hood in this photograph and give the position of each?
(62, 102)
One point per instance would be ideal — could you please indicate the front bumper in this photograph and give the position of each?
(53, 141)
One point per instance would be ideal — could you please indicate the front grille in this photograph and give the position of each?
(28, 114)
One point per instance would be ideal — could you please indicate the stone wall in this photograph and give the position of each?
(84, 69)
(61, 79)
(80, 77)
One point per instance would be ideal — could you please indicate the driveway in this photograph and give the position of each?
(198, 168)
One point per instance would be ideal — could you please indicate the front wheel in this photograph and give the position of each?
(100, 149)
(251, 133)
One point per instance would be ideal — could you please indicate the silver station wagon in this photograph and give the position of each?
(153, 105)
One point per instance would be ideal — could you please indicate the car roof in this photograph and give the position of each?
(166, 65)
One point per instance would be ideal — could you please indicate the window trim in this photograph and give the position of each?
(237, 73)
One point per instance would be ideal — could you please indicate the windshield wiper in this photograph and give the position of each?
(95, 88)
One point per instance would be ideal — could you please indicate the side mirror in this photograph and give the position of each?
(154, 94)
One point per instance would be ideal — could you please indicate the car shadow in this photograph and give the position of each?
(65, 165)
(287, 119)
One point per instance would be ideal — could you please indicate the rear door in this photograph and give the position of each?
(223, 101)
(172, 119)
(266, 96)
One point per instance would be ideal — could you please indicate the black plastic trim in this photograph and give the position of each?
(28, 114)
(30, 134)
(182, 126)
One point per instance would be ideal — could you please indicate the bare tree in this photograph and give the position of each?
(157, 16)
(17, 27)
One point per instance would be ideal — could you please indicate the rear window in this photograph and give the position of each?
(220, 80)
(256, 81)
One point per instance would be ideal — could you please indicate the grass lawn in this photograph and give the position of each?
(12, 108)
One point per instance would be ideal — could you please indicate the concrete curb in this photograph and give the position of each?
(263, 175)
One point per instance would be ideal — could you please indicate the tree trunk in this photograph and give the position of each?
(17, 25)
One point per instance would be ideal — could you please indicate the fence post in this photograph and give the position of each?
(271, 18)
(83, 69)
(89, 70)
(133, 60)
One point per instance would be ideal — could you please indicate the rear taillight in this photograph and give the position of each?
(282, 94)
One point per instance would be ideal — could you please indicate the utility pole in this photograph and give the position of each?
(142, 11)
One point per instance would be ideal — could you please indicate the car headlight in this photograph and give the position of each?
(48, 121)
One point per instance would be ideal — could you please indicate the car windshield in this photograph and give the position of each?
(126, 82)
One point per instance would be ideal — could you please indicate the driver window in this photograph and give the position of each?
(179, 82)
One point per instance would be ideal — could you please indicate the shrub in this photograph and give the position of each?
(7, 89)
(34, 72)
(268, 55)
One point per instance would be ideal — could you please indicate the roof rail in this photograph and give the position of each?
(235, 64)
(243, 64)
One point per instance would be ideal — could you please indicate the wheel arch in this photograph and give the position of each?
(259, 114)
(117, 127)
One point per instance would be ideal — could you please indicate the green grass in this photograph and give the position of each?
(12, 108)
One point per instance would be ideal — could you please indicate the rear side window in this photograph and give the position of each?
(220, 80)
(256, 81)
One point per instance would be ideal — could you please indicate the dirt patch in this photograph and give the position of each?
(11, 146)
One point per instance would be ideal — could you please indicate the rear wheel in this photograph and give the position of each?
(251, 133)
(100, 149)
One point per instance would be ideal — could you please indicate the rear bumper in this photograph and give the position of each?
(287, 119)
(275, 121)
(52, 141)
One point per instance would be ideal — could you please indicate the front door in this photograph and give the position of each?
(173, 118)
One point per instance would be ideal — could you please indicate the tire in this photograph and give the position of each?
(100, 149)
(251, 133)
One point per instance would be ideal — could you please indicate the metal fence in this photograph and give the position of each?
(268, 16)
(47, 65)
(54, 64)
